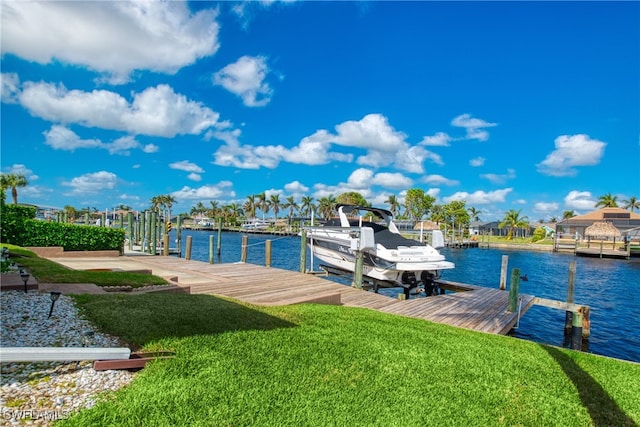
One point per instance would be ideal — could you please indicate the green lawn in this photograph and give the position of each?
(315, 365)
(46, 271)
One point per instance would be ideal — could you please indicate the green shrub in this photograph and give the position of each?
(539, 234)
(13, 218)
(72, 237)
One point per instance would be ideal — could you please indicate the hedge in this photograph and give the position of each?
(19, 229)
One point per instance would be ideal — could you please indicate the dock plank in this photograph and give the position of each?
(476, 308)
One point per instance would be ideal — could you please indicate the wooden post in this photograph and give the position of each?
(219, 235)
(154, 233)
(143, 231)
(514, 288)
(179, 234)
(211, 249)
(586, 322)
(503, 272)
(245, 248)
(303, 251)
(130, 227)
(357, 273)
(188, 249)
(571, 289)
(267, 253)
(165, 245)
(576, 331)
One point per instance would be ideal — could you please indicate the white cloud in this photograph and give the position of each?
(245, 78)
(61, 138)
(391, 180)
(111, 37)
(439, 180)
(296, 188)
(499, 178)
(92, 183)
(157, 111)
(480, 197)
(546, 208)
(20, 169)
(440, 139)
(194, 177)
(10, 87)
(581, 200)
(571, 151)
(223, 189)
(478, 161)
(474, 127)
(384, 146)
(187, 166)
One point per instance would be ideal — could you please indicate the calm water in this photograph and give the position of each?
(609, 286)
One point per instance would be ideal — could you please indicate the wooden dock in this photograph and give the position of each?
(473, 307)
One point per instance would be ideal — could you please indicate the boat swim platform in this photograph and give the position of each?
(472, 307)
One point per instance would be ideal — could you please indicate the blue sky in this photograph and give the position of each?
(507, 105)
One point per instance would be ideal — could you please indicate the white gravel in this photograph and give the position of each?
(37, 393)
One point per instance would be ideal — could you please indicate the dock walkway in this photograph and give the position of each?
(480, 309)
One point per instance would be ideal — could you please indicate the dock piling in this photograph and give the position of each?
(503, 272)
(187, 255)
(211, 249)
(514, 288)
(267, 252)
(245, 247)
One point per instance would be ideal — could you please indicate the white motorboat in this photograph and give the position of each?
(255, 224)
(389, 259)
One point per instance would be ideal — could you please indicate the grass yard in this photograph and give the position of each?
(46, 271)
(316, 365)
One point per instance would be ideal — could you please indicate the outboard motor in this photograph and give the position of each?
(410, 282)
(428, 280)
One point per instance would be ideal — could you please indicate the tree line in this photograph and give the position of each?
(417, 206)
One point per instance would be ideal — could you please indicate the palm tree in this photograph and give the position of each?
(474, 213)
(262, 203)
(291, 205)
(568, 214)
(607, 201)
(13, 181)
(513, 220)
(326, 206)
(275, 204)
(250, 207)
(394, 204)
(306, 205)
(168, 201)
(631, 203)
(214, 210)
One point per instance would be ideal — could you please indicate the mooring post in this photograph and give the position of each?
(130, 227)
(576, 331)
(303, 251)
(211, 249)
(571, 289)
(154, 233)
(267, 253)
(357, 273)
(179, 234)
(165, 245)
(245, 247)
(187, 255)
(143, 231)
(586, 322)
(514, 288)
(219, 235)
(503, 272)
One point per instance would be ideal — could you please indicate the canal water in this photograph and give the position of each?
(609, 286)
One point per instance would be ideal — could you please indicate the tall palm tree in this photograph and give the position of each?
(631, 203)
(607, 201)
(291, 205)
(250, 207)
(394, 204)
(326, 206)
(13, 181)
(262, 203)
(568, 214)
(168, 201)
(306, 205)
(275, 204)
(513, 220)
(474, 213)
(214, 210)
